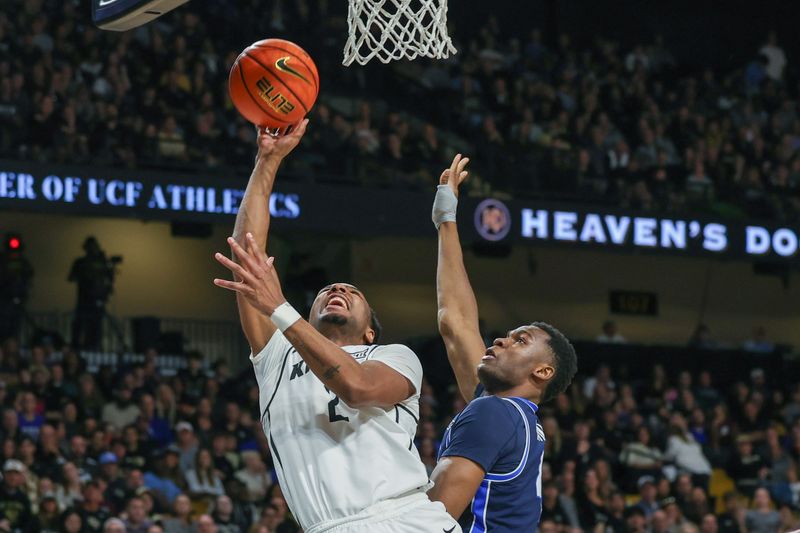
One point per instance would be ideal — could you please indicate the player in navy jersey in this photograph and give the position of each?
(490, 460)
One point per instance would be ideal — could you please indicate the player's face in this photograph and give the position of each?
(343, 305)
(523, 356)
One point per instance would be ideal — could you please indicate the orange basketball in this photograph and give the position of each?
(273, 83)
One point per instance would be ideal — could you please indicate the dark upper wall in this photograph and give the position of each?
(722, 33)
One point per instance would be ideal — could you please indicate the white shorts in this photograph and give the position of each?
(414, 513)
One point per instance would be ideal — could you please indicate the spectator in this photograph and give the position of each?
(776, 58)
(224, 516)
(762, 518)
(70, 491)
(254, 475)
(205, 524)
(610, 334)
(122, 411)
(709, 524)
(187, 446)
(591, 504)
(123, 489)
(72, 521)
(93, 513)
(647, 496)
(48, 519)
(90, 399)
(136, 521)
(685, 452)
(554, 509)
(203, 481)
(194, 377)
(635, 520)
(115, 525)
(166, 478)
(134, 449)
(181, 519)
(30, 419)
(747, 467)
(759, 343)
(640, 458)
(158, 428)
(732, 520)
(15, 507)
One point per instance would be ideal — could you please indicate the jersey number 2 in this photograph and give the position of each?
(332, 414)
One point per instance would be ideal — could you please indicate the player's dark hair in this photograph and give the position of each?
(565, 360)
(375, 324)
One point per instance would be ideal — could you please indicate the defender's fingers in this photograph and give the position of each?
(454, 165)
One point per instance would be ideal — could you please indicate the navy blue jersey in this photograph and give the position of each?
(504, 437)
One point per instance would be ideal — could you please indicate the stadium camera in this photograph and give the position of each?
(123, 15)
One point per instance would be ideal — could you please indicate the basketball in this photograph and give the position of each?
(273, 83)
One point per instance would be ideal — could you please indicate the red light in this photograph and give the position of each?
(14, 243)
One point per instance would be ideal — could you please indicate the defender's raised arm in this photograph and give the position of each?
(458, 309)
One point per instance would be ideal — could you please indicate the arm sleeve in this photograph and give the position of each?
(481, 432)
(401, 359)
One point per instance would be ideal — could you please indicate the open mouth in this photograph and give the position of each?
(489, 356)
(337, 301)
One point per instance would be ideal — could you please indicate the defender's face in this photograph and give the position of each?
(513, 359)
(341, 303)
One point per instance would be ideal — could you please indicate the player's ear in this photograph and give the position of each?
(543, 372)
(370, 335)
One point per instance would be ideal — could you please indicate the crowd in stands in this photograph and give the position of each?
(614, 125)
(129, 449)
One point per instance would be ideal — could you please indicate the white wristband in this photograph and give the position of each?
(444, 205)
(284, 316)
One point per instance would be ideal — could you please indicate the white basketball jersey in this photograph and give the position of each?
(334, 461)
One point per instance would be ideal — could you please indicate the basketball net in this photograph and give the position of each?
(397, 29)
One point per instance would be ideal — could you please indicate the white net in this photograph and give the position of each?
(397, 29)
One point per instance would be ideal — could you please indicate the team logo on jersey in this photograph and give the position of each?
(283, 64)
(492, 220)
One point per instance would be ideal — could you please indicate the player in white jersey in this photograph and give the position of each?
(339, 411)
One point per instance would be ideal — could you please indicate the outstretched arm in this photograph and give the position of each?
(253, 217)
(373, 383)
(458, 309)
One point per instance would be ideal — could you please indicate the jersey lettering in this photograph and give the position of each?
(333, 416)
(299, 370)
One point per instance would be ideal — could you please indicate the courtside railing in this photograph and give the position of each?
(175, 337)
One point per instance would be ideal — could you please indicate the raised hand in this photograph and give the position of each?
(456, 169)
(280, 146)
(259, 282)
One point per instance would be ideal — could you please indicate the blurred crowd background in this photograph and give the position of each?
(139, 448)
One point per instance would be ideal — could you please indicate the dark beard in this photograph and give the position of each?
(491, 382)
(336, 320)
